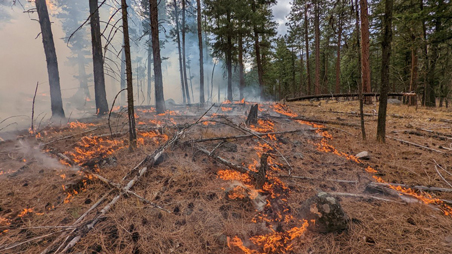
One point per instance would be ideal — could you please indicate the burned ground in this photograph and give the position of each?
(208, 207)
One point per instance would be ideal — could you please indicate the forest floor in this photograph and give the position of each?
(51, 192)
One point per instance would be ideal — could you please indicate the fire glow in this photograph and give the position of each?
(281, 227)
(324, 146)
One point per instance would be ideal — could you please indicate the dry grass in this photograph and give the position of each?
(203, 218)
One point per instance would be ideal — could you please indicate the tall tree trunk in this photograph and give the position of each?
(301, 71)
(181, 72)
(149, 94)
(98, 60)
(413, 79)
(201, 58)
(306, 34)
(385, 60)
(123, 74)
(360, 86)
(159, 98)
(338, 58)
(365, 56)
(184, 61)
(211, 85)
(130, 107)
(82, 75)
(260, 69)
(241, 66)
(317, 46)
(229, 55)
(56, 103)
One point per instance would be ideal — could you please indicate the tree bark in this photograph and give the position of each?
(365, 43)
(184, 61)
(130, 107)
(414, 74)
(338, 57)
(98, 60)
(149, 70)
(260, 70)
(229, 55)
(301, 71)
(56, 103)
(201, 58)
(176, 11)
(317, 46)
(385, 61)
(308, 69)
(360, 86)
(241, 67)
(123, 75)
(159, 97)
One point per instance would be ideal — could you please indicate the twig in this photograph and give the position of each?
(226, 162)
(33, 109)
(363, 196)
(111, 109)
(147, 163)
(29, 240)
(417, 187)
(320, 179)
(248, 136)
(437, 171)
(416, 145)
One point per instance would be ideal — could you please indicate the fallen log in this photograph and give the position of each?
(428, 134)
(356, 195)
(435, 132)
(341, 95)
(416, 187)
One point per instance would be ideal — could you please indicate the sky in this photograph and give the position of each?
(22, 60)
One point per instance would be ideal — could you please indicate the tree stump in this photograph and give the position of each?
(252, 116)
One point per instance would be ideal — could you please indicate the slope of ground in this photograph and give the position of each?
(195, 204)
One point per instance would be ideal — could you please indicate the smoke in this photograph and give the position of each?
(33, 153)
(5, 12)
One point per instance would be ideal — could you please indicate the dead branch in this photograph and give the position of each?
(111, 109)
(249, 136)
(417, 187)
(27, 241)
(416, 145)
(70, 136)
(147, 163)
(344, 194)
(226, 162)
(319, 179)
(435, 132)
(256, 134)
(430, 135)
(32, 129)
(324, 121)
(442, 177)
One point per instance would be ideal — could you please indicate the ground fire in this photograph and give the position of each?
(247, 181)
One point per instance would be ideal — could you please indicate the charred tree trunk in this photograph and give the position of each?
(130, 107)
(252, 116)
(229, 55)
(241, 67)
(98, 60)
(301, 71)
(385, 61)
(260, 68)
(201, 58)
(159, 97)
(360, 86)
(123, 75)
(308, 70)
(338, 58)
(149, 94)
(365, 57)
(413, 80)
(184, 61)
(317, 46)
(176, 11)
(56, 103)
